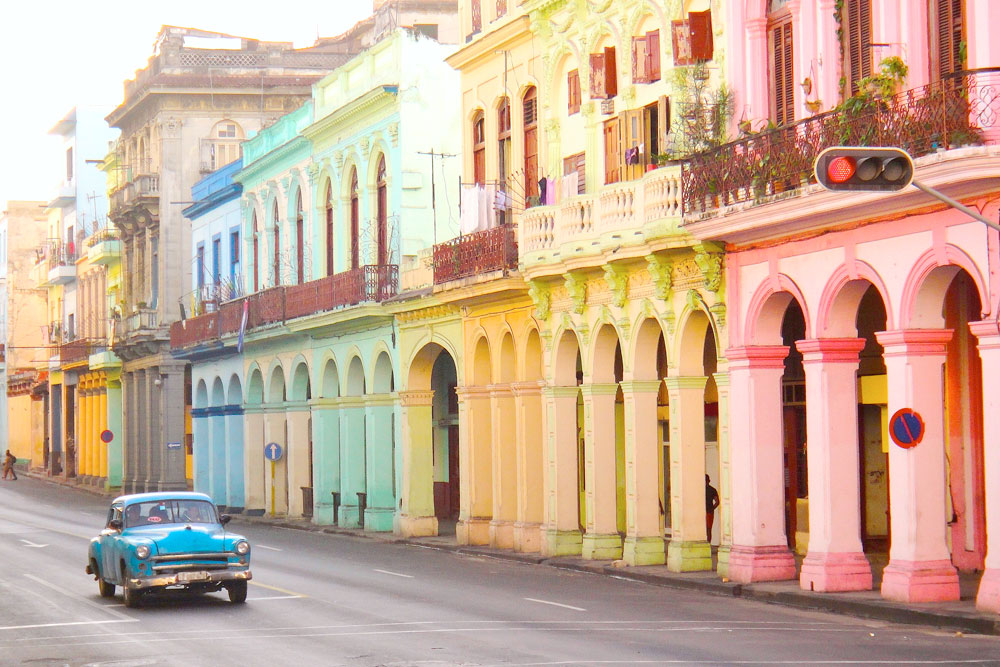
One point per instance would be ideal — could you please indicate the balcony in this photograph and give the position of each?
(65, 193)
(139, 190)
(961, 110)
(56, 263)
(195, 330)
(475, 254)
(75, 351)
(143, 320)
(620, 214)
(104, 246)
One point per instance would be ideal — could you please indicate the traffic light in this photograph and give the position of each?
(864, 169)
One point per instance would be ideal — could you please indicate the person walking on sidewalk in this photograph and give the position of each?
(711, 503)
(8, 465)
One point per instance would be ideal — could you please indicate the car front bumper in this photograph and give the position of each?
(212, 577)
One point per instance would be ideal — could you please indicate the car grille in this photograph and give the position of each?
(180, 562)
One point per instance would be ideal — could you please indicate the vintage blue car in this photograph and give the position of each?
(159, 541)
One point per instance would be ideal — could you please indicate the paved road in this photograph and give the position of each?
(331, 600)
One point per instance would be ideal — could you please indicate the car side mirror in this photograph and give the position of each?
(224, 519)
(116, 524)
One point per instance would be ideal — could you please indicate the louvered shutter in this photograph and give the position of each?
(639, 60)
(857, 17)
(653, 55)
(949, 33)
(598, 83)
(573, 91)
(702, 43)
(610, 72)
(662, 122)
(782, 76)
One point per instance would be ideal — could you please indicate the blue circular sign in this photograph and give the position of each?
(906, 428)
(273, 451)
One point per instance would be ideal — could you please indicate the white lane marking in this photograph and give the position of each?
(556, 604)
(32, 544)
(59, 625)
(277, 597)
(264, 546)
(78, 598)
(395, 574)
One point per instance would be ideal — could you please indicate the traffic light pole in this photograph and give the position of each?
(940, 196)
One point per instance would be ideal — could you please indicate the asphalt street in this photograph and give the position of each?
(320, 599)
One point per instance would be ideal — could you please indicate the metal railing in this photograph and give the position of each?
(482, 252)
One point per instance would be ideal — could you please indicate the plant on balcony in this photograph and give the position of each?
(857, 123)
(704, 112)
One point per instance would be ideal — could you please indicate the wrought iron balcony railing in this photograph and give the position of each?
(482, 252)
(962, 109)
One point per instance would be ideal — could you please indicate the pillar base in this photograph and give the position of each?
(644, 551)
(527, 537)
(562, 543)
(379, 519)
(417, 526)
(168, 486)
(750, 564)
(835, 572)
(693, 556)
(920, 581)
(722, 561)
(602, 547)
(473, 532)
(988, 597)
(501, 534)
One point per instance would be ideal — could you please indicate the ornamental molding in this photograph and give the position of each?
(617, 279)
(576, 287)
(661, 272)
(429, 313)
(393, 134)
(541, 296)
(710, 263)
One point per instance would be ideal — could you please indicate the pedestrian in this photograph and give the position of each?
(711, 503)
(8, 465)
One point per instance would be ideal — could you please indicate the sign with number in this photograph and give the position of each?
(273, 452)
(906, 428)
(107, 436)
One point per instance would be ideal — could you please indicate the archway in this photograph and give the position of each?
(530, 442)
(504, 445)
(202, 439)
(476, 445)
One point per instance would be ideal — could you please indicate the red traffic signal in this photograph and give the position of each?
(864, 169)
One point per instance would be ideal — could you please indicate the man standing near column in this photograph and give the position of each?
(711, 504)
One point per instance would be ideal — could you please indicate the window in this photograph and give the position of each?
(355, 219)
(603, 74)
(381, 215)
(479, 148)
(227, 130)
(477, 16)
(276, 268)
(782, 87)
(503, 154)
(329, 228)
(577, 164)
(573, 91)
(256, 253)
(530, 104)
(692, 38)
(947, 37)
(200, 266)
(300, 269)
(234, 255)
(216, 261)
(501, 8)
(223, 146)
(69, 163)
(856, 17)
(612, 146)
(154, 270)
(646, 57)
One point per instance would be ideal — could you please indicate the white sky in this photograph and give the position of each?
(57, 54)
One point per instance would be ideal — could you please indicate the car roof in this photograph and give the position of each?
(161, 495)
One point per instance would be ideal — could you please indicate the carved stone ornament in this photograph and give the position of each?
(576, 287)
(394, 134)
(170, 128)
(365, 144)
(719, 311)
(710, 264)
(338, 159)
(661, 271)
(617, 279)
(312, 172)
(541, 295)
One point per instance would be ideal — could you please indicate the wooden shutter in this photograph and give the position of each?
(702, 44)
(680, 35)
(610, 72)
(653, 55)
(857, 18)
(612, 151)
(573, 91)
(598, 83)
(948, 34)
(662, 122)
(640, 60)
(782, 76)
(530, 144)
(632, 132)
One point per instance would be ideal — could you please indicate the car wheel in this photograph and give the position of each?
(107, 590)
(129, 596)
(237, 591)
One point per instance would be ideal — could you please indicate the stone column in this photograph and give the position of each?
(725, 477)
(297, 456)
(326, 450)
(835, 560)
(353, 452)
(103, 425)
(601, 540)
(760, 547)
(919, 568)
(561, 484)
(169, 414)
(503, 420)
(235, 453)
(381, 437)
(275, 473)
(114, 424)
(416, 517)
(689, 549)
(475, 461)
(530, 465)
(644, 541)
(129, 433)
(254, 480)
(217, 464)
(988, 332)
(201, 434)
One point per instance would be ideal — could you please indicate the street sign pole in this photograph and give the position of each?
(272, 488)
(942, 197)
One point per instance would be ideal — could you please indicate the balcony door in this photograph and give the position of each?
(355, 213)
(382, 222)
(947, 30)
(780, 51)
(300, 269)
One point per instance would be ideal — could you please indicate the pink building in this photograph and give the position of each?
(846, 307)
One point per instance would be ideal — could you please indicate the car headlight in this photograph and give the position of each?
(242, 547)
(142, 552)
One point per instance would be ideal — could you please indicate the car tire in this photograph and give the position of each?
(107, 589)
(237, 591)
(130, 596)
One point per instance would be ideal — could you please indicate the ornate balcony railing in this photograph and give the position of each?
(618, 207)
(143, 319)
(194, 330)
(482, 252)
(135, 190)
(103, 235)
(267, 307)
(74, 351)
(962, 109)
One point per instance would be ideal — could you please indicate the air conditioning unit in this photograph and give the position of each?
(608, 106)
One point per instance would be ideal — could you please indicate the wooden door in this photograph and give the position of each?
(612, 145)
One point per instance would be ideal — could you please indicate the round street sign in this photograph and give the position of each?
(107, 436)
(273, 452)
(906, 428)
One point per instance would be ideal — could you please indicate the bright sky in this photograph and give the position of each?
(57, 54)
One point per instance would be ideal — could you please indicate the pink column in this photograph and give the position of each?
(836, 559)
(760, 548)
(919, 568)
(988, 332)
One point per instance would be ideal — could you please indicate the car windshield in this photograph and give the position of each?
(158, 512)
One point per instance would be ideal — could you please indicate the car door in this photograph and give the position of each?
(109, 540)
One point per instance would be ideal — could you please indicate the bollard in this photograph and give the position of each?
(336, 507)
(307, 501)
(362, 506)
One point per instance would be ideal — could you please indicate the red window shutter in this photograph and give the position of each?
(680, 35)
(581, 173)
(782, 76)
(573, 91)
(857, 51)
(702, 45)
(610, 72)
(598, 83)
(639, 60)
(653, 55)
(949, 34)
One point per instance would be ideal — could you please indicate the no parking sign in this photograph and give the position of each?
(906, 428)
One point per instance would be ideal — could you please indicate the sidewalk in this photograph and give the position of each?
(959, 616)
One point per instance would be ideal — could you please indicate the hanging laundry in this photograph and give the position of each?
(469, 221)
